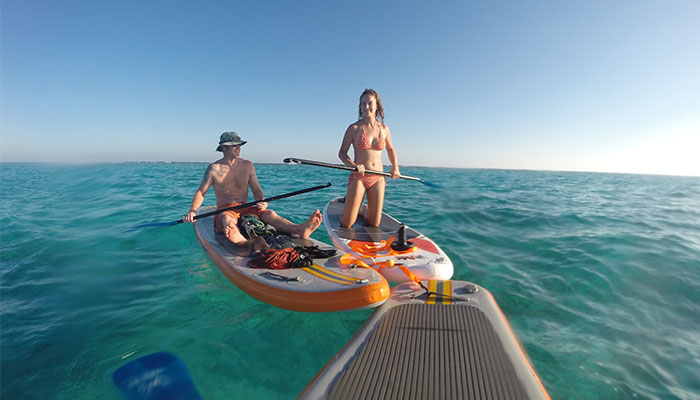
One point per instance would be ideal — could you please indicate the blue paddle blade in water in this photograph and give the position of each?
(435, 185)
(154, 377)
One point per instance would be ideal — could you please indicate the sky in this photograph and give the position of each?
(581, 85)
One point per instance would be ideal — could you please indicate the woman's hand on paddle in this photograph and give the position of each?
(189, 217)
(395, 172)
(360, 169)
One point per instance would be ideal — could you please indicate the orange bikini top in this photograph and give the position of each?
(361, 142)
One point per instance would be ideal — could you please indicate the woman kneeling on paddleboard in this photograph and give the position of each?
(368, 136)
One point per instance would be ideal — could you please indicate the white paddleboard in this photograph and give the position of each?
(373, 245)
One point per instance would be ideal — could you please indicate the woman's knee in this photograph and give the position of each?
(373, 217)
(348, 217)
(375, 204)
(346, 221)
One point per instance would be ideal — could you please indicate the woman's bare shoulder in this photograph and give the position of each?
(353, 128)
(384, 128)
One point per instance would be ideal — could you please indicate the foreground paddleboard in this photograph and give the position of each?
(456, 345)
(327, 285)
(425, 259)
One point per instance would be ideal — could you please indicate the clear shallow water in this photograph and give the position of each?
(599, 275)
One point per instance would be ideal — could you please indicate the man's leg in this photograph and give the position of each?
(233, 234)
(304, 230)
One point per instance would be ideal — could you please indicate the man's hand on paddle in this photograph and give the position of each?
(189, 217)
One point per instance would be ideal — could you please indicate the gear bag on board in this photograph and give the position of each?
(282, 253)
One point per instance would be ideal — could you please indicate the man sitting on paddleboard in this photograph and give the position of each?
(231, 176)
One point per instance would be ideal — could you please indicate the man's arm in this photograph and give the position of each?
(198, 198)
(254, 184)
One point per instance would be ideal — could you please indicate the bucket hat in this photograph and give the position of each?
(230, 139)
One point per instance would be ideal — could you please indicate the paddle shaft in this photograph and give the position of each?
(252, 203)
(345, 167)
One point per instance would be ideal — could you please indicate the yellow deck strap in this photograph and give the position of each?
(333, 273)
(320, 272)
(447, 290)
(440, 287)
(432, 286)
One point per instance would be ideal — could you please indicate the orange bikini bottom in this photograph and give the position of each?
(368, 180)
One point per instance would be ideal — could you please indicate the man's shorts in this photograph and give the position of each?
(235, 214)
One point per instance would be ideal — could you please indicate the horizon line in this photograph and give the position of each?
(84, 163)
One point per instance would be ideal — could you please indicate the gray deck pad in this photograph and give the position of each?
(422, 351)
(363, 232)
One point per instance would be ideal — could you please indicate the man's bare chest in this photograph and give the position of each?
(231, 179)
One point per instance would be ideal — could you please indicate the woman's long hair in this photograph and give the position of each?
(380, 108)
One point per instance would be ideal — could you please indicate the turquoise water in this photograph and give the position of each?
(599, 275)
